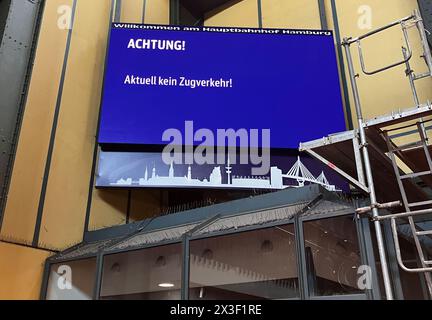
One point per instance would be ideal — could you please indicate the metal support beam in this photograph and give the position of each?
(118, 10)
(302, 265)
(98, 277)
(340, 171)
(301, 259)
(260, 17)
(393, 265)
(359, 161)
(368, 173)
(186, 255)
(144, 11)
(174, 12)
(45, 280)
(96, 146)
(323, 15)
(367, 254)
(185, 268)
(341, 61)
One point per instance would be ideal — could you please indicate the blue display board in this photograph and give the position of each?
(159, 77)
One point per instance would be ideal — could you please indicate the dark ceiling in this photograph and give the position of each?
(199, 7)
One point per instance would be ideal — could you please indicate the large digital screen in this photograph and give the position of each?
(185, 78)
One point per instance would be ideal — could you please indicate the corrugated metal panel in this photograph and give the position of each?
(143, 239)
(236, 222)
(229, 223)
(255, 219)
(83, 250)
(328, 207)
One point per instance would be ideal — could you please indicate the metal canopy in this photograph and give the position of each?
(253, 213)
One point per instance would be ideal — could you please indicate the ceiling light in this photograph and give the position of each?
(166, 285)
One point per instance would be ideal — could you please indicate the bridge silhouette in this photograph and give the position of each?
(300, 173)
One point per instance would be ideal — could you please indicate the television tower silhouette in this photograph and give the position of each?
(229, 170)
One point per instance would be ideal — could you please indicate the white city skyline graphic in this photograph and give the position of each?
(299, 173)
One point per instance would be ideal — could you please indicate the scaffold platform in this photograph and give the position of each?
(341, 152)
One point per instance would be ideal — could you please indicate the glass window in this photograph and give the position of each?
(332, 256)
(72, 280)
(148, 274)
(258, 264)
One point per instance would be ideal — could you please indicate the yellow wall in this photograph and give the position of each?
(67, 190)
(145, 204)
(388, 91)
(21, 271)
(295, 14)
(157, 11)
(26, 182)
(109, 208)
(131, 11)
(147, 11)
(66, 197)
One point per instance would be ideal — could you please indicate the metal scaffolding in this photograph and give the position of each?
(371, 160)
